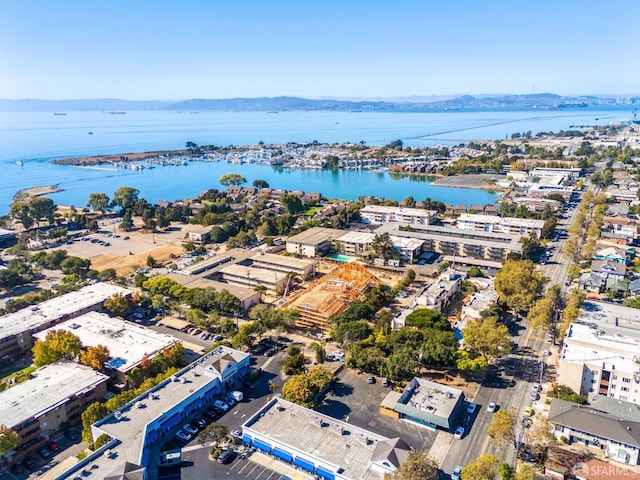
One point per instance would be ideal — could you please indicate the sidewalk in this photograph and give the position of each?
(279, 467)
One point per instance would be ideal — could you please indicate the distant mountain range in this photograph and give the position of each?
(275, 104)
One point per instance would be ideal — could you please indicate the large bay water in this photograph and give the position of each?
(36, 138)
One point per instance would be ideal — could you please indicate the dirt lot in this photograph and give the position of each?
(130, 250)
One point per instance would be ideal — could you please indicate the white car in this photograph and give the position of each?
(535, 387)
(236, 433)
(459, 433)
(491, 408)
(455, 475)
(189, 429)
(221, 405)
(182, 435)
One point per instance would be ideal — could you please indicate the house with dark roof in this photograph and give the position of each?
(615, 436)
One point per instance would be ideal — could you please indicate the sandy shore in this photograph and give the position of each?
(27, 193)
(478, 181)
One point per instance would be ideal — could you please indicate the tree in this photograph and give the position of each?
(151, 262)
(76, 265)
(42, 208)
(107, 275)
(470, 365)
(417, 466)
(304, 388)
(382, 246)
(9, 440)
(482, 468)
(574, 271)
(99, 202)
(291, 203)
(506, 471)
(117, 305)
(486, 337)
(293, 362)
(95, 357)
(409, 202)
(22, 213)
(525, 472)
(213, 433)
(503, 429)
(474, 272)
(94, 412)
(427, 318)
(57, 344)
(231, 179)
(125, 197)
(260, 184)
(518, 284)
(541, 314)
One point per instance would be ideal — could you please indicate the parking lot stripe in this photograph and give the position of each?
(252, 470)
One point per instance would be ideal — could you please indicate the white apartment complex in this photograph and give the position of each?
(510, 225)
(381, 214)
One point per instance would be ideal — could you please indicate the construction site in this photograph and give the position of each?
(330, 295)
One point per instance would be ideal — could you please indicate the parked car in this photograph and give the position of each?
(29, 462)
(221, 405)
(528, 411)
(182, 435)
(471, 408)
(209, 414)
(533, 395)
(44, 452)
(385, 382)
(491, 408)
(190, 429)
(72, 435)
(54, 447)
(226, 456)
(459, 433)
(198, 423)
(236, 433)
(455, 475)
(370, 379)
(535, 387)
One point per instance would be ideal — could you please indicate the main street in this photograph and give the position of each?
(509, 381)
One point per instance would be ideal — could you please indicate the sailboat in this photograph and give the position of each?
(19, 162)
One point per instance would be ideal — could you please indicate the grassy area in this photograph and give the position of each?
(19, 375)
(312, 211)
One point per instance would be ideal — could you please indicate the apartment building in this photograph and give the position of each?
(510, 225)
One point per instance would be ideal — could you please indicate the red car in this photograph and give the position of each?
(54, 447)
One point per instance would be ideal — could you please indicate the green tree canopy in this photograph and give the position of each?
(99, 202)
(486, 337)
(125, 197)
(518, 283)
(58, 344)
(482, 468)
(9, 440)
(231, 179)
(417, 466)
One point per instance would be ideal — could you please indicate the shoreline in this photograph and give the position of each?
(118, 157)
(27, 193)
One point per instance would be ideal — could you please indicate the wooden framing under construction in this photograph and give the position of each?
(327, 297)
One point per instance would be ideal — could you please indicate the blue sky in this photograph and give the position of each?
(174, 50)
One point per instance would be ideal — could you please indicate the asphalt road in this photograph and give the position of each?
(509, 381)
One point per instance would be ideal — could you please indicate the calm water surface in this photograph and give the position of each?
(36, 138)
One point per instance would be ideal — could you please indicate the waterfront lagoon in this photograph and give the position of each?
(30, 140)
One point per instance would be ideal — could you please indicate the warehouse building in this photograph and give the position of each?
(321, 445)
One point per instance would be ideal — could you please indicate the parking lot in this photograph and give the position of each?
(355, 401)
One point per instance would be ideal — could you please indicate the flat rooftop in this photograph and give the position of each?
(416, 212)
(586, 344)
(127, 342)
(252, 273)
(281, 260)
(49, 387)
(611, 318)
(319, 436)
(430, 397)
(32, 318)
(436, 232)
(492, 219)
(129, 430)
(408, 243)
(316, 236)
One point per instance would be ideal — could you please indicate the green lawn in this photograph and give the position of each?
(312, 211)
